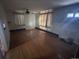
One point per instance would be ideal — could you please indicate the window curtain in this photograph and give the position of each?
(42, 20)
(49, 20)
(45, 19)
(19, 19)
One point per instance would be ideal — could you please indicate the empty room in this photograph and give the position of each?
(39, 29)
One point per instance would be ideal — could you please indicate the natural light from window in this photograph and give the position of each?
(77, 15)
(70, 15)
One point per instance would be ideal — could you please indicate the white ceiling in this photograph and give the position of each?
(35, 4)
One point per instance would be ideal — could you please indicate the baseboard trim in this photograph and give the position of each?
(56, 35)
(18, 29)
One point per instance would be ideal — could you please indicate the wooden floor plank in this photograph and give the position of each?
(36, 44)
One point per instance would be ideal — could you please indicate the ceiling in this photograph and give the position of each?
(12, 5)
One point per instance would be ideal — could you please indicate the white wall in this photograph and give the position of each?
(28, 18)
(12, 25)
(4, 34)
(30, 21)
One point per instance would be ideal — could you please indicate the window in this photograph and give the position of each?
(49, 19)
(70, 15)
(45, 19)
(42, 20)
(77, 15)
(19, 19)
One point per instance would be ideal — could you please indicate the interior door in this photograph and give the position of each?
(3, 42)
(1, 55)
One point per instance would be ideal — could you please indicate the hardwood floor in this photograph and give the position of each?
(36, 44)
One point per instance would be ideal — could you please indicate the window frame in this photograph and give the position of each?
(46, 19)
